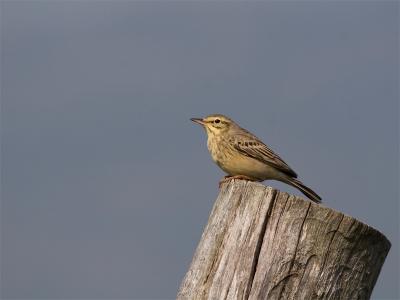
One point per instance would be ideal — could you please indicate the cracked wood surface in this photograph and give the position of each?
(260, 243)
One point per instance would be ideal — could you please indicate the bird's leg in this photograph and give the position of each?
(243, 177)
(224, 179)
(230, 177)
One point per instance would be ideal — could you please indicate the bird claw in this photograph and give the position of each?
(224, 179)
(229, 177)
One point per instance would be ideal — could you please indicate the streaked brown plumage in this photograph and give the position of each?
(242, 155)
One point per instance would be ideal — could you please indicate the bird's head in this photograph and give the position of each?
(215, 124)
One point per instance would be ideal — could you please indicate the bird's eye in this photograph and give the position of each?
(217, 121)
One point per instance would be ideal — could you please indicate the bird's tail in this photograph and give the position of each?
(304, 189)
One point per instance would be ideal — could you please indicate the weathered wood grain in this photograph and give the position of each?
(260, 243)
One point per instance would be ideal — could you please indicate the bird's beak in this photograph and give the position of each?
(198, 121)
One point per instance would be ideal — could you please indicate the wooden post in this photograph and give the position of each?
(260, 243)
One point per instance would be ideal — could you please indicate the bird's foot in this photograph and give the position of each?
(224, 179)
(230, 177)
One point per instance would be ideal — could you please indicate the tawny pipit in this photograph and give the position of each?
(242, 155)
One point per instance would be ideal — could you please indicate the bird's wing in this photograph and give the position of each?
(253, 147)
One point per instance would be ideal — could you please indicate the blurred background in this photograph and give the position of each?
(105, 183)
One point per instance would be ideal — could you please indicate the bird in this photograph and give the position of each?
(242, 155)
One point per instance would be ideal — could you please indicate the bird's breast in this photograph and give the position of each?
(232, 162)
(216, 147)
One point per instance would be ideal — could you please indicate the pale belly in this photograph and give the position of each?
(236, 164)
(249, 167)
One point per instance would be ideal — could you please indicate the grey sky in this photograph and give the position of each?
(106, 184)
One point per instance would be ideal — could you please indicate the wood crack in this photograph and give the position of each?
(220, 245)
(330, 243)
(295, 250)
(259, 244)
